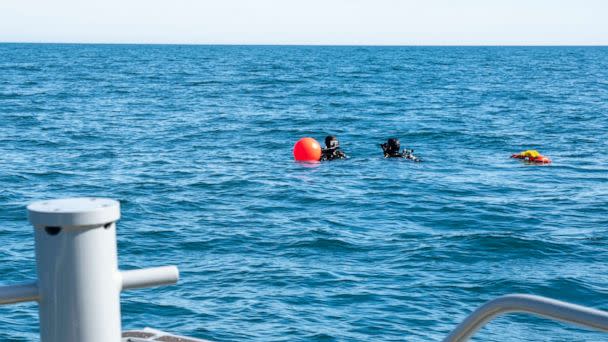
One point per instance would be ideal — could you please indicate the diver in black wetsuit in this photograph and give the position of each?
(332, 149)
(392, 149)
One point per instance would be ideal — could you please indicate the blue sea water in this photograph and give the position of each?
(195, 141)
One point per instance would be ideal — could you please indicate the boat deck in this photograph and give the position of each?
(148, 335)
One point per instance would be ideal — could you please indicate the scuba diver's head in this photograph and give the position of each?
(331, 142)
(393, 145)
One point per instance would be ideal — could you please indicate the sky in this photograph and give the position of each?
(317, 22)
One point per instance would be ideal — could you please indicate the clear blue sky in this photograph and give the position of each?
(375, 22)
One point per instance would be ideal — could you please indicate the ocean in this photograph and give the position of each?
(196, 143)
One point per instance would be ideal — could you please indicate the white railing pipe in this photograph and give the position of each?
(149, 277)
(540, 306)
(26, 292)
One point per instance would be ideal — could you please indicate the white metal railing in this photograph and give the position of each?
(541, 306)
(79, 283)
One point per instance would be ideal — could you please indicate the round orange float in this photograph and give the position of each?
(307, 150)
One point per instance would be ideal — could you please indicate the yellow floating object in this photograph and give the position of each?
(530, 154)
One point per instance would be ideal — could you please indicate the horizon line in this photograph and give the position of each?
(308, 44)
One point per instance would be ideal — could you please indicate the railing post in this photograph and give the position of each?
(79, 284)
(78, 279)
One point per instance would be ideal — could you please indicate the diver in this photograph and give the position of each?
(332, 149)
(392, 149)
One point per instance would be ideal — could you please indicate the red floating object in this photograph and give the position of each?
(307, 150)
(532, 156)
(541, 160)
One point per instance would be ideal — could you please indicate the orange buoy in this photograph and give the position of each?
(307, 150)
(541, 160)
